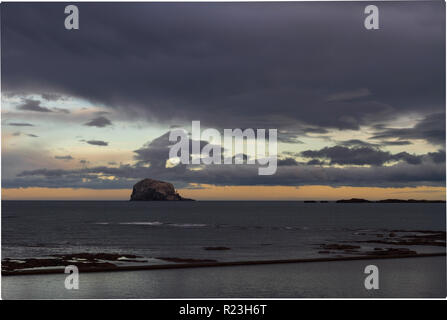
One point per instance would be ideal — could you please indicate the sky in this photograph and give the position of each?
(360, 113)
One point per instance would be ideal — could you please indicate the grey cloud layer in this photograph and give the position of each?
(20, 124)
(99, 122)
(97, 142)
(431, 129)
(410, 171)
(400, 175)
(303, 68)
(234, 64)
(367, 156)
(35, 105)
(32, 105)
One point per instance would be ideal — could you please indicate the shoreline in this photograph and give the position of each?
(221, 264)
(364, 201)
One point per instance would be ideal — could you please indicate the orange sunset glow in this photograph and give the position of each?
(209, 192)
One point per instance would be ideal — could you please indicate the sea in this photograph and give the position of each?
(243, 230)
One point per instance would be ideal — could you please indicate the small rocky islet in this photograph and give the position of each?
(155, 190)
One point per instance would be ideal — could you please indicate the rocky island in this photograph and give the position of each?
(155, 190)
(355, 200)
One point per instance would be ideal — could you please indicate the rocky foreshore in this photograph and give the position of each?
(181, 263)
(387, 243)
(362, 244)
(84, 261)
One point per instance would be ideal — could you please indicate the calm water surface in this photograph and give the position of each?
(252, 231)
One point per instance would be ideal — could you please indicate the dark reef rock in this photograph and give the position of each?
(410, 201)
(154, 190)
(427, 238)
(353, 200)
(84, 261)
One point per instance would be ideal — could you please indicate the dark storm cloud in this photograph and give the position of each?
(437, 157)
(365, 155)
(303, 68)
(277, 65)
(97, 142)
(32, 105)
(287, 162)
(431, 129)
(99, 122)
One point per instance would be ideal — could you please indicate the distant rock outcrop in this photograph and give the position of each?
(154, 190)
(353, 200)
(410, 201)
